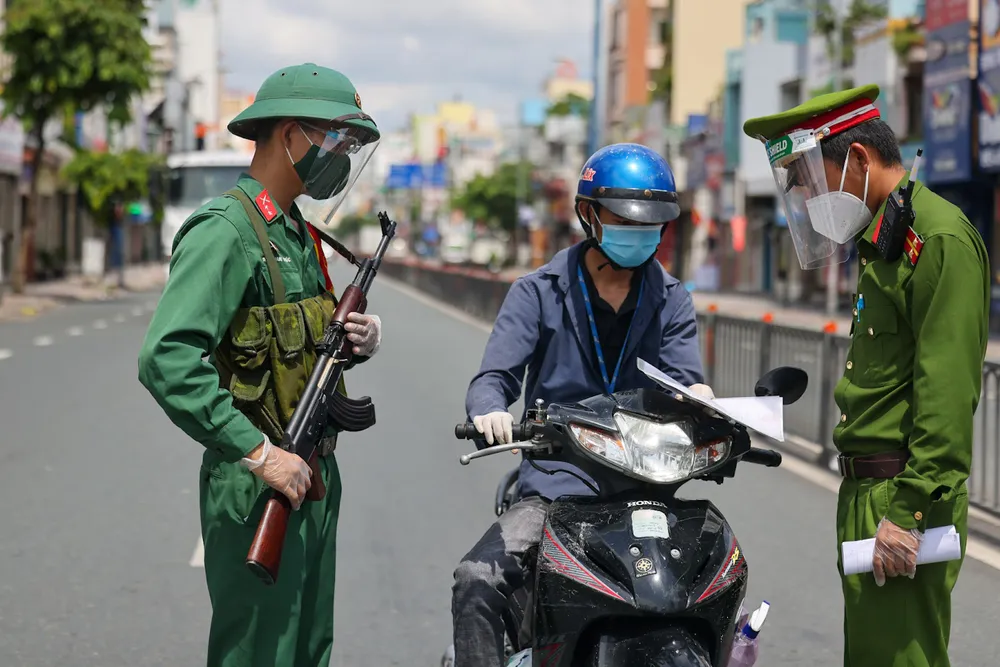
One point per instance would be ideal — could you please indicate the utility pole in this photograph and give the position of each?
(833, 270)
(595, 116)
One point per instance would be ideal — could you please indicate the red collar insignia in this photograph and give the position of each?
(266, 206)
(914, 243)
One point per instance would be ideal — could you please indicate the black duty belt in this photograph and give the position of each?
(874, 466)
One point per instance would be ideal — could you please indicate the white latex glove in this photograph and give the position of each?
(496, 426)
(895, 551)
(365, 331)
(283, 471)
(702, 391)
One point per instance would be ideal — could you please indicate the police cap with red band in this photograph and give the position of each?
(834, 112)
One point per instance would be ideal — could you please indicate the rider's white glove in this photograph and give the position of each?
(496, 426)
(702, 391)
(365, 331)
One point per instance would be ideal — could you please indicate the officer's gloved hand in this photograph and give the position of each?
(365, 331)
(496, 426)
(895, 551)
(702, 391)
(283, 471)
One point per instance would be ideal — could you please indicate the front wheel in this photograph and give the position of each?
(666, 647)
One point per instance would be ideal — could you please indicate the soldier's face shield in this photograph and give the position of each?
(338, 154)
(799, 173)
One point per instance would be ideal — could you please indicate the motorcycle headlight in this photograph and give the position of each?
(654, 451)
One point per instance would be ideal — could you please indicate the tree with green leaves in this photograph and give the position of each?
(493, 199)
(69, 56)
(860, 14)
(570, 105)
(107, 178)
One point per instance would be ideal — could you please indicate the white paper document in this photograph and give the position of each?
(764, 414)
(939, 545)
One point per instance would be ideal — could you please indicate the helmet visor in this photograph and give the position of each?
(654, 207)
(339, 161)
(799, 173)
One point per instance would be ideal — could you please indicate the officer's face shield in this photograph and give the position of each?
(338, 153)
(801, 177)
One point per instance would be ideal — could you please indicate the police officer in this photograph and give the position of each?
(230, 346)
(913, 372)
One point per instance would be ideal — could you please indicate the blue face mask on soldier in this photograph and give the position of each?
(630, 245)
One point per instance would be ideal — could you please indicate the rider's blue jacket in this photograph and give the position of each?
(542, 327)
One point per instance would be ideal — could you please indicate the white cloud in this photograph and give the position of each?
(404, 56)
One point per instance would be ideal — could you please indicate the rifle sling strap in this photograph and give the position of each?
(260, 228)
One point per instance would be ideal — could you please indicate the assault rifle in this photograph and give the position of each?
(320, 405)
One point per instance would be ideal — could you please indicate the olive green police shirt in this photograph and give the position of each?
(216, 268)
(914, 367)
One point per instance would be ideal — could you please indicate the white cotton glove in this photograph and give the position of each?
(702, 391)
(496, 426)
(365, 331)
(283, 471)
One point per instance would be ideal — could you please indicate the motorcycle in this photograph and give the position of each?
(633, 576)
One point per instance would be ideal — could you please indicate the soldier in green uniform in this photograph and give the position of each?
(231, 345)
(913, 373)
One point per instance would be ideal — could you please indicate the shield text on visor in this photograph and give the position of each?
(329, 170)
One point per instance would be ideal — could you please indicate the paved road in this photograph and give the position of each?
(100, 521)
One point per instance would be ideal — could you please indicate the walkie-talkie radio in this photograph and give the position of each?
(895, 228)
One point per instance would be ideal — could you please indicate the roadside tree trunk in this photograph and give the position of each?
(19, 276)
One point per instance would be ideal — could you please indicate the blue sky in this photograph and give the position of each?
(404, 56)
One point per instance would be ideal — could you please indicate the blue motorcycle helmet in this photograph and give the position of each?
(636, 186)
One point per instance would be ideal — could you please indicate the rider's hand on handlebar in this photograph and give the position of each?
(496, 426)
(283, 471)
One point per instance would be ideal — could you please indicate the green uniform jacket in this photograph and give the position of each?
(914, 368)
(216, 268)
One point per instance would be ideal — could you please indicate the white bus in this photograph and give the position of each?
(196, 178)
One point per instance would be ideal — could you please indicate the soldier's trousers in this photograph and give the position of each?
(288, 624)
(906, 623)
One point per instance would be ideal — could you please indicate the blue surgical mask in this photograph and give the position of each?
(630, 245)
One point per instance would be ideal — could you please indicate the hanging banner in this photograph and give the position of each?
(947, 93)
(988, 85)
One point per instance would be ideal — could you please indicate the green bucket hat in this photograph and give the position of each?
(305, 91)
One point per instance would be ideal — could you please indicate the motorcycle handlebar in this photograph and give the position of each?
(763, 457)
(468, 431)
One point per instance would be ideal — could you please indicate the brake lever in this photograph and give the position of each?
(466, 459)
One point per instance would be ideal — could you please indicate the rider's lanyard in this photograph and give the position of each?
(609, 385)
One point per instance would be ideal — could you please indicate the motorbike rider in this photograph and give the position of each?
(577, 326)
(227, 353)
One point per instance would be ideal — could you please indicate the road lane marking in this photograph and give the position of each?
(43, 341)
(975, 548)
(119, 318)
(74, 331)
(100, 324)
(137, 312)
(5, 354)
(198, 557)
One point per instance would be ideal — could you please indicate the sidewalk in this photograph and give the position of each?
(755, 307)
(41, 297)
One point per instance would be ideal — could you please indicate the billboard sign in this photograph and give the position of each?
(947, 93)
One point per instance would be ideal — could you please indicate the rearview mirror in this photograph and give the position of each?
(785, 381)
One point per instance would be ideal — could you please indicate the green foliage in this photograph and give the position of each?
(860, 14)
(352, 223)
(105, 178)
(73, 55)
(906, 38)
(571, 105)
(493, 198)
